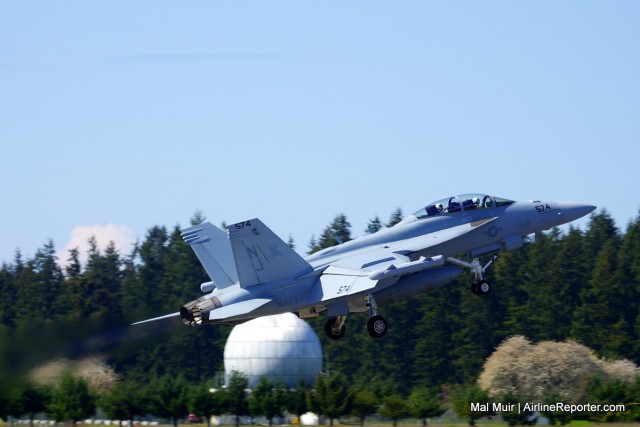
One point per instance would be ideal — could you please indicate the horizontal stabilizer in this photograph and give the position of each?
(213, 249)
(237, 310)
(261, 256)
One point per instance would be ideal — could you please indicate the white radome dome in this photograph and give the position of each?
(281, 346)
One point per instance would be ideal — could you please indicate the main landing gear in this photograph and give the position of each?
(334, 327)
(376, 325)
(479, 285)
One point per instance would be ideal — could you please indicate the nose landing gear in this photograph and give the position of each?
(480, 288)
(479, 285)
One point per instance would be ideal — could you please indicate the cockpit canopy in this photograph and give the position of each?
(463, 202)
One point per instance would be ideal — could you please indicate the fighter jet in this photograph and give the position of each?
(254, 273)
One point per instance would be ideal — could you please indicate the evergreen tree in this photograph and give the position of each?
(364, 403)
(237, 401)
(125, 401)
(73, 267)
(513, 296)
(395, 361)
(628, 274)
(170, 398)
(476, 320)
(4, 405)
(313, 245)
(197, 218)
(339, 231)
(75, 290)
(463, 396)
(183, 272)
(102, 281)
(8, 295)
(205, 403)
(555, 417)
(68, 303)
(374, 225)
(539, 272)
(331, 396)
(425, 403)
(515, 412)
(267, 399)
(39, 285)
(144, 291)
(571, 274)
(601, 229)
(29, 400)
(434, 326)
(297, 398)
(395, 218)
(609, 391)
(394, 407)
(71, 400)
(630, 251)
(600, 322)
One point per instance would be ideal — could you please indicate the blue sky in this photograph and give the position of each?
(116, 116)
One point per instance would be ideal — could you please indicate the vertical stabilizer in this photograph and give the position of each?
(213, 249)
(261, 256)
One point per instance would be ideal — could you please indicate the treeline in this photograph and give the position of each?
(580, 285)
(168, 398)
(72, 399)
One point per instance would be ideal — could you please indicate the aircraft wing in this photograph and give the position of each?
(368, 272)
(374, 270)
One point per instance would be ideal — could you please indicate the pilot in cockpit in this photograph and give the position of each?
(472, 203)
(433, 210)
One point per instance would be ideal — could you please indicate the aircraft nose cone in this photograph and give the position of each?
(573, 210)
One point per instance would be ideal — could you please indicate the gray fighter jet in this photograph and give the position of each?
(254, 273)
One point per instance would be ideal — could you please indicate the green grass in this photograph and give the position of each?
(402, 423)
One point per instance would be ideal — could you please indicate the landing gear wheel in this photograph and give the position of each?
(377, 326)
(333, 329)
(481, 288)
